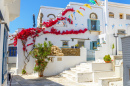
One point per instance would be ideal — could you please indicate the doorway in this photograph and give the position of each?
(81, 43)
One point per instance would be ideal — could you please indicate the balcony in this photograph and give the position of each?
(13, 8)
(95, 31)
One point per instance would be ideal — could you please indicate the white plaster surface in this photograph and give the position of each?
(12, 59)
(55, 67)
(102, 67)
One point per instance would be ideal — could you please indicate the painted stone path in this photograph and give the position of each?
(29, 80)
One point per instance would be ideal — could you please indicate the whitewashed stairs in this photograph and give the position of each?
(83, 73)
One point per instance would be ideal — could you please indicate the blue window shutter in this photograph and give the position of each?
(98, 25)
(95, 44)
(91, 45)
(89, 24)
(98, 40)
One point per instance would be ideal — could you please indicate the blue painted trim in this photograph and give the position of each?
(13, 50)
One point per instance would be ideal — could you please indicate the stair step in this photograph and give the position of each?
(70, 77)
(73, 73)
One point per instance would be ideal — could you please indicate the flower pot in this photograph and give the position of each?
(76, 47)
(72, 46)
(40, 73)
(107, 61)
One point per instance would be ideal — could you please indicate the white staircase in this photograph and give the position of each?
(83, 73)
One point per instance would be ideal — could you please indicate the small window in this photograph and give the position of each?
(93, 16)
(93, 25)
(111, 15)
(128, 16)
(12, 51)
(51, 16)
(65, 44)
(121, 16)
(121, 32)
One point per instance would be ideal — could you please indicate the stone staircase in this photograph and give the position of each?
(83, 73)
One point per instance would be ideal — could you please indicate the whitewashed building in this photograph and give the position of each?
(106, 24)
(9, 10)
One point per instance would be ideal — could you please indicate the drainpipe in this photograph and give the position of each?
(106, 14)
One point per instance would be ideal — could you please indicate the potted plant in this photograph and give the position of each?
(107, 58)
(98, 44)
(94, 48)
(113, 46)
(72, 46)
(76, 46)
(104, 42)
(40, 53)
(82, 46)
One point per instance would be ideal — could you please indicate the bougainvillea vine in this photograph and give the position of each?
(67, 10)
(53, 22)
(55, 31)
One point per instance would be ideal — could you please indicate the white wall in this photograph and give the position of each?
(53, 68)
(47, 10)
(83, 20)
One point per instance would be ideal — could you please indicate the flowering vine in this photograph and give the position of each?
(33, 33)
(53, 22)
(67, 10)
(54, 31)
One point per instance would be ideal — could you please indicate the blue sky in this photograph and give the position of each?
(30, 7)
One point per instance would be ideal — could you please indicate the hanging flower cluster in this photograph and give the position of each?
(34, 32)
(53, 22)
(54, 31)
(67, 10)
(24, 34)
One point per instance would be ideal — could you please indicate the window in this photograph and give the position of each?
(93, 25)
(51, 16)
(121, 32)
(4, 61)
(128, 16)
(93, 16)
(111, 15)
(41, 16)
(12, 51)
(65, 44)
(93, 45)
(121, 16)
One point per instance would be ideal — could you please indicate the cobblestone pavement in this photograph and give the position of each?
(30, 80)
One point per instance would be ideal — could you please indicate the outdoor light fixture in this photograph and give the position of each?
(116, 36)
(72, 39)
(46, 39)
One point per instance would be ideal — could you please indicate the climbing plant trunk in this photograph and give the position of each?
(40, 73)
(112, 51)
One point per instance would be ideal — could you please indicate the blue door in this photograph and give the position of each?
(90, 55)
(4, 61)
(93, 44)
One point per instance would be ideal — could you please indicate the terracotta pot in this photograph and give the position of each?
(40, 73)
(107, 61)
